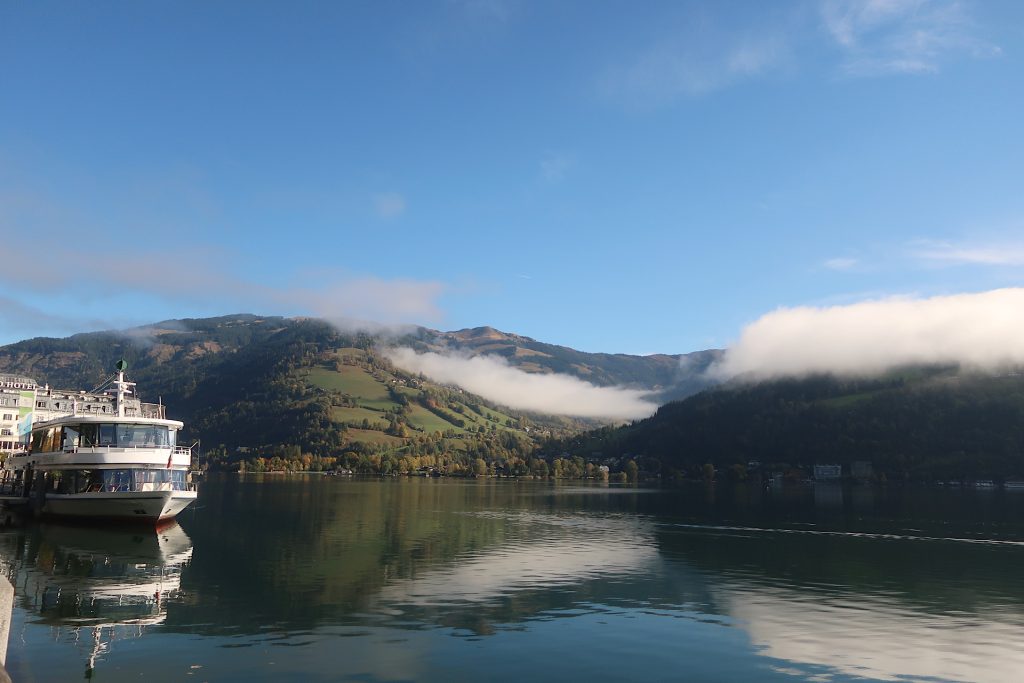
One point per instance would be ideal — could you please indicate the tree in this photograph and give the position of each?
(631, 471)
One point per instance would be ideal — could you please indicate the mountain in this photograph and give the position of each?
(915, 423)
(267, 387)
(668, 376)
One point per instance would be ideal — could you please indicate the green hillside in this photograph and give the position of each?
(275, 392)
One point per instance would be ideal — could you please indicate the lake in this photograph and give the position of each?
(329, 578)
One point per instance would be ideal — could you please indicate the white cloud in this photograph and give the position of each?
(191, 274)
(348, 300)
(879, 37)
(493, 378)
(115, 279)
(982, 331)
(947, 253)
(389, 204)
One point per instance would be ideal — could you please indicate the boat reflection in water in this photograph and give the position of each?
(95, 586)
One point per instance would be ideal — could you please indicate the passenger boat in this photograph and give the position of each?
(121, 464)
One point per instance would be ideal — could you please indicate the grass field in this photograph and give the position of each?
(379, 405)
(426, 420)
(373, 399)
(492, 417)
(357, 415)
(351, 380)
(370, 436)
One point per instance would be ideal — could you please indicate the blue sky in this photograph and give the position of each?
(609, 176)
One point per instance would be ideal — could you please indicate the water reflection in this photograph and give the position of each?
(322, 578)
(93, 586)
(568, 563)
(823, 581)
(852, 606)
(878, 636)
(352, 552)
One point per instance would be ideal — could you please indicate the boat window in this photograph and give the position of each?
(117, 480)
(160, 480)
(88, 435)
(129, 435)
(107, 436)
(46, 440)
(86, 481)
(70, 437)
(63, 481)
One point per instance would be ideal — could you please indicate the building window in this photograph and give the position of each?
(6, 432)
(8, 417)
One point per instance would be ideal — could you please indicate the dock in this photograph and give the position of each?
(12, 508)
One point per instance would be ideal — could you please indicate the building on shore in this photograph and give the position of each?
(17, 397)
(823, 472)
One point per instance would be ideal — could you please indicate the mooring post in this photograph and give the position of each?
(6, 612)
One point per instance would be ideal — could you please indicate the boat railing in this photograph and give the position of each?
(178, 450)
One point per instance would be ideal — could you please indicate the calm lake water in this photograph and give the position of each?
(323, 578)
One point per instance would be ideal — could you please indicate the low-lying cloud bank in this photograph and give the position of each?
(984, 331)
(494, 379)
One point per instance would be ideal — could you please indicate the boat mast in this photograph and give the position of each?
(122, 365)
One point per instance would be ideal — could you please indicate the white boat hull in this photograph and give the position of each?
(139, 506)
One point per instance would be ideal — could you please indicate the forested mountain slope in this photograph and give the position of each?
(255, 387)
(942, 423)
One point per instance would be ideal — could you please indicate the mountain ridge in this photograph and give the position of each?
(271, 385)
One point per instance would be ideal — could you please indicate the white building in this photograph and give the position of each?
(17, 397)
